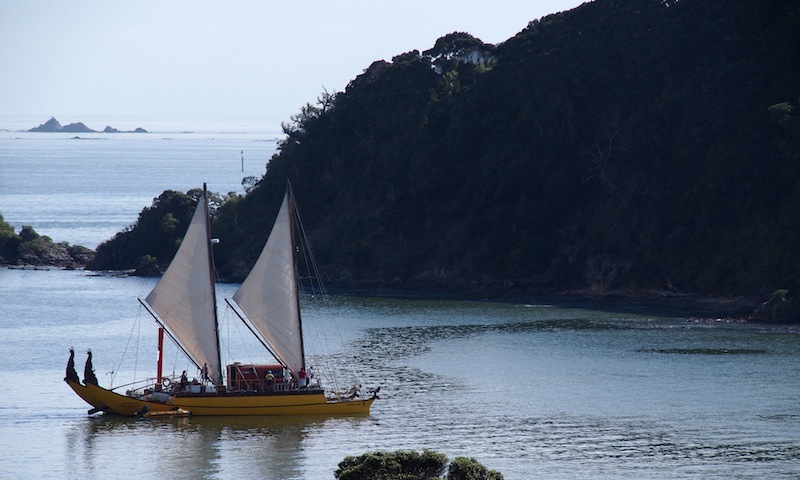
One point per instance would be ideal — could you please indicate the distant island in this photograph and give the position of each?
(54, 126)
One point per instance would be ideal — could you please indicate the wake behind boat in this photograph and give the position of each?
(184, 304)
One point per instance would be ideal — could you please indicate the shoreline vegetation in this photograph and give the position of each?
(35, 252)
(628, 152)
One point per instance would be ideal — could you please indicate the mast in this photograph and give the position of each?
(160, 367)
(217, 381)
(290, 194)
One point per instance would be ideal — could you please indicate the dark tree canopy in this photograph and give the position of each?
(636, 144)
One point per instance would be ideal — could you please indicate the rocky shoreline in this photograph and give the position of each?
(29, 249)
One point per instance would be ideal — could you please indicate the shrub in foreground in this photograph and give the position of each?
(409, 465)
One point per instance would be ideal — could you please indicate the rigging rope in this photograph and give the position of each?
(316, 286)
(136, 326)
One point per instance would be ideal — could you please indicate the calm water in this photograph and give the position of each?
(532, 390)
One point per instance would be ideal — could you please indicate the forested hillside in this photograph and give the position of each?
(626, 144)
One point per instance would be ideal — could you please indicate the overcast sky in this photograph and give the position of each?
(222, 58)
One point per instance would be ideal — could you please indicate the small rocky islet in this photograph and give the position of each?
(54, 126)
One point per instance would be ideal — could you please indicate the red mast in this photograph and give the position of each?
(159, 370)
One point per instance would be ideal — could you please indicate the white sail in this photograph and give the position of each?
(184, 297)
(268, 296)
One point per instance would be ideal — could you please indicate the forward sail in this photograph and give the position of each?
(269, 297)
(184, 297)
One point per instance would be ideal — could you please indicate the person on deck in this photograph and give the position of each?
(287, 378)
(270, 379)
(310, 374)
(301, 375)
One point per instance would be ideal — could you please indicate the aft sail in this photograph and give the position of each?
(269, 297)
(184, 298)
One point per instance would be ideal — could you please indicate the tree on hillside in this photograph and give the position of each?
(460, 47)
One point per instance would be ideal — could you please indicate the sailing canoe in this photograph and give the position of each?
(183, 302)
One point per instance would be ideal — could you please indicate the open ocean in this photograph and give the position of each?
(531, 389)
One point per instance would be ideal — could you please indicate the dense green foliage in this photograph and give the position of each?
(647, 144)
(463, 468)
(30, 248)
(408, 465)
(399, 465)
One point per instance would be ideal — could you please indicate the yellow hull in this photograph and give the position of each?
(231, 404)
(87, 397)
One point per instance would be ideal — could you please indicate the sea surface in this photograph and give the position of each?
(529, 388)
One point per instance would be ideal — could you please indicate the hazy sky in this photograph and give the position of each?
(221, 58)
